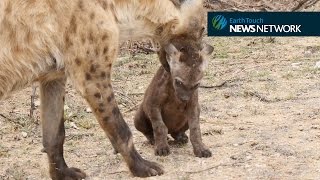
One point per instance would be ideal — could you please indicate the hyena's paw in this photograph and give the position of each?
(72, 174)
(181, 139)
(202, 152)
(162, 150)
(144, 168)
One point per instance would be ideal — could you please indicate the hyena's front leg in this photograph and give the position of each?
(91, 47)
(160, 132)
(97, 90)
(199, 149)
(52, 101)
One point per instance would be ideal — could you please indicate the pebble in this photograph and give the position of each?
(37, 103)
(296, 65)
(24, 134)
(317, 65)
(88, 110)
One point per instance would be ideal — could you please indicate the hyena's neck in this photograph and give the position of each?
(139, 19)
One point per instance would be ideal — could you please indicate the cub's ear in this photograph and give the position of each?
(171, 50)
(163, 59)
(207, 49)
(172, 56)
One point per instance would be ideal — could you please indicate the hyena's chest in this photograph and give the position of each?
(175, 115)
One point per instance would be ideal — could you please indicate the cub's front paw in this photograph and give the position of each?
(181, 139)
(163, 150)
(202, 152)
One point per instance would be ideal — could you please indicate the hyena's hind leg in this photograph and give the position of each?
(143, 124)
(52, 115)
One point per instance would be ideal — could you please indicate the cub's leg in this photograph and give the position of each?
(142, 124)
(180, 136)
(93, 40)
(52, 101)
(199, 149)
(160, 131)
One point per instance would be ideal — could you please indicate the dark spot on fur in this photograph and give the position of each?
(83, 39)
(97, 51)
(115, 111)
(93, 68)
(97, 95)
(105, 50)
(80, 4)
(103, 75)
(104, 5)
(63, 98)
(8, 8)
(88, 76)
(98, 85)
(101, 105)
(109, 66)
(110, 97)
(78, 62)
(92, 15)
(88, 52)
(68, 42)
(73, 25)
(28, 37)
(105, 86)
(106, 118)
(104, 37)
(91, 37)
(107, 58)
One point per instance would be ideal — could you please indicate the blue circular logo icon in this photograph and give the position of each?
(219, 22)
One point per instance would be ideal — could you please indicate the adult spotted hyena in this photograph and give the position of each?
(51, 40)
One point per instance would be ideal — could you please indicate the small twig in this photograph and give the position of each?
(5, 117)
(147, 50)
(131, 109)
(259, 96)
(214, 86)
(118, 172)
(212, 167)
(33, 106)
(136, 94)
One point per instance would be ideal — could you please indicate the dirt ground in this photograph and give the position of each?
(261, 122)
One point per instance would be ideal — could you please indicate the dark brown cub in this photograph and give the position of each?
(170, 104)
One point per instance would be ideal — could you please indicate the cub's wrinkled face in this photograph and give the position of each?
(187, 61)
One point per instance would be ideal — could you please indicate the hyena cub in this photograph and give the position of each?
(170, 103)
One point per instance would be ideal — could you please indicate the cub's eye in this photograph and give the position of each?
(178, 82)
(196, 86)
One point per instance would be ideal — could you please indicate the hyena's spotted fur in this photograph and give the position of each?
(51, 40)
